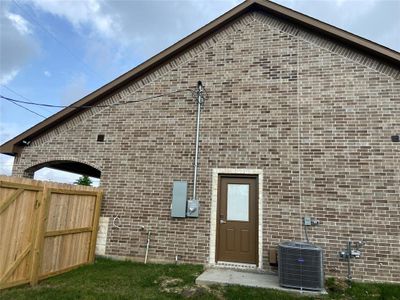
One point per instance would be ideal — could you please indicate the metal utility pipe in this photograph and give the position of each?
(196, 156)
(147, 246)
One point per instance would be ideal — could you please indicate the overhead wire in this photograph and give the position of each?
(15, 101)
(32, 111)
(49, 105)
(18, 94)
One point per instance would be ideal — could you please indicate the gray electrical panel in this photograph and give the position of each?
(179, 197)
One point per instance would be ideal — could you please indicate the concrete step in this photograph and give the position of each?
(224, 276)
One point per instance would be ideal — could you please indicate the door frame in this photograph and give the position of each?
(236, 176)
(216, 173)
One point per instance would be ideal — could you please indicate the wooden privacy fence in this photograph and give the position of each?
(45, 228)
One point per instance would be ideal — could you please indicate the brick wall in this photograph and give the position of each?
(313, 115)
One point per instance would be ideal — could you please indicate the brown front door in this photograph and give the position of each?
(237, 219)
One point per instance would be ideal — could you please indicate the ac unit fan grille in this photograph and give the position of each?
(301, 266)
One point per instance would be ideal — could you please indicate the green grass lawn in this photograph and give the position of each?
(108, 279)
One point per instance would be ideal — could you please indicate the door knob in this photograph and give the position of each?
(222, 221)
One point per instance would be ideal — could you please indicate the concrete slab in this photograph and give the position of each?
(214, 276)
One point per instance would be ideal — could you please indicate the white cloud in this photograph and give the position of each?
(81, 13)
(7, 77)
(19, 23)
(47, 73)
(17, 44)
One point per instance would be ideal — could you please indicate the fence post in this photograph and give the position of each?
(95, 227)
(39, 235)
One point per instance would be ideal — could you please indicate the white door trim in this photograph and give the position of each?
(214, 199)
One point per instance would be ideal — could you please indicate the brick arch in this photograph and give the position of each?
(77, 166)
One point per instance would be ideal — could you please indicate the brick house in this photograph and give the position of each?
(300, 119)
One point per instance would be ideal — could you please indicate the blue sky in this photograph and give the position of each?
(56, 52)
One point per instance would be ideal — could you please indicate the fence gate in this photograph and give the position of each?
(45, 228)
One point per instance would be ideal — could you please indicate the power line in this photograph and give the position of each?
(16, 93)
(34, 19)
(34, 112)
(15, 101)
(50, 105)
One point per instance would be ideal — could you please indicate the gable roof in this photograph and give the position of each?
(361, 44)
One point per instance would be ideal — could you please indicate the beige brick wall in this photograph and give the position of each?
(314, 116)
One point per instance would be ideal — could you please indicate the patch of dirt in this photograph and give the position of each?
(170, 284)
(198, 291)
(173, 285)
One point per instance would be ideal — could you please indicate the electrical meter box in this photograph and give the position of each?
(192, 209)
(307, 221)
(179, 197)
